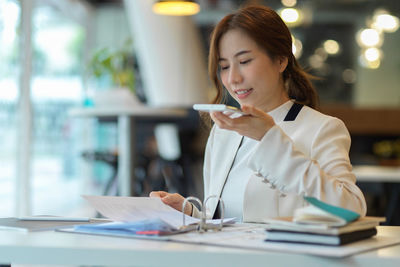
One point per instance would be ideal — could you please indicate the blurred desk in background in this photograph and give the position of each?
(383, 175)
(366, 121)
(126, 118)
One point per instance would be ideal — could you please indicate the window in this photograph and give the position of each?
(9, 69)
(56, 86)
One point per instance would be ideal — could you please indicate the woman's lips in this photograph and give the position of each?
(243, 93)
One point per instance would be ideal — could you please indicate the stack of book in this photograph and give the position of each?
(322, 224)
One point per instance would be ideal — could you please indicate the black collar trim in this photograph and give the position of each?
(293, 112)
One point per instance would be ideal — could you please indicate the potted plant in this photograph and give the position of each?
(113, 72)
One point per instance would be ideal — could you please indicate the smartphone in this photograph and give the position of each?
(217, 107)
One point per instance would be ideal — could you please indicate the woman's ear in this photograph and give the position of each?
(283, 62)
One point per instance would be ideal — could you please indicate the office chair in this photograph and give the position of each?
(108, 158)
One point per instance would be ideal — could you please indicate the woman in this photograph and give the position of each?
(263, 163)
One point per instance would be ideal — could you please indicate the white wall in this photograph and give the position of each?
(110, 27)
(170, 55)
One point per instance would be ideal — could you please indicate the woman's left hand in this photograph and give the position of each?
(173, 200)
(254, 124)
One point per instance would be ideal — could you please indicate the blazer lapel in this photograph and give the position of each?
(293, 112)
(228, 145)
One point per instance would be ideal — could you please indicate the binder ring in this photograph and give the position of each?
(203, 225)
(203, 216)
(184, 205)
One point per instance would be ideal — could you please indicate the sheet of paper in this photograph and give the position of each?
(129, 209)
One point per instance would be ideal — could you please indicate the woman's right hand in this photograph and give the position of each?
(174, 200)
(254, 124)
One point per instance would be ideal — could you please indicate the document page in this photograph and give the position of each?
(130, 209)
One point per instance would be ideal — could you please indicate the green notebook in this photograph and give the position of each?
(322, 213)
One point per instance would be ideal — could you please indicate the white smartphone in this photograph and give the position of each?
(217, 107)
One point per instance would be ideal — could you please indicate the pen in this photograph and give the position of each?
(54, 218)
(149, 232)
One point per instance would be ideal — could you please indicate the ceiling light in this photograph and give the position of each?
(289, 3)
(331, 47)
(321, 52)
(386, 22)
(372, 54)
(369, 64)
(349, 76)
(316, 61)
(290, 15)
(297, 47)
(369, 37)
(176, 8)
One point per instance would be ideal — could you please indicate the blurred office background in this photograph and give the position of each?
(46, 51)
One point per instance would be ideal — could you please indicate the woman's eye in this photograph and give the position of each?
(245, 61)
(224, 67)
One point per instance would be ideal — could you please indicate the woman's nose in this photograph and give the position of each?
(235, 77)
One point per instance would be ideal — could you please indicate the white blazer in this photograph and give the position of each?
(305, 154)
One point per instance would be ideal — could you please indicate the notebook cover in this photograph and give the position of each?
(318, 239)
(345, 214)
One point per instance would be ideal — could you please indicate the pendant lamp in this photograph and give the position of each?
(176, 7)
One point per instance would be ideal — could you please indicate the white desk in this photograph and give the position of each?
(75, 249)
(126, 118)
(382, 174)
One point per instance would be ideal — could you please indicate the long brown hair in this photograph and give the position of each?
(268, 30)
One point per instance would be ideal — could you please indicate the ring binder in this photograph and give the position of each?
(203, 226)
